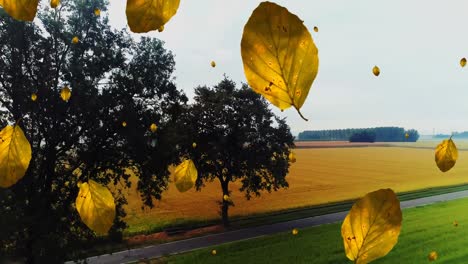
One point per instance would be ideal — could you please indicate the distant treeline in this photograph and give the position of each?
(454, 135)
(381, 134)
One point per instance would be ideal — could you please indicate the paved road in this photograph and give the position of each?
(247, 233)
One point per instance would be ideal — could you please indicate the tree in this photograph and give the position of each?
(413, 135)
(237, 138)
(363, 136)
(112, 80)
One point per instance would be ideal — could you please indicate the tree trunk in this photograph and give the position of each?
(225, 204)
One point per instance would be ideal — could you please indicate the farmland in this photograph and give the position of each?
(424, 229)
(319, 176)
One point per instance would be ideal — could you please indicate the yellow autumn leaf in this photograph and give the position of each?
(97, 12)
(75, 40)
(33, 97)
(65, 93)
(153, 127)
(432, 256)
(463, 62)
(124, 124)
(406, 135)
(316, 29)
(20, 9)
(371, 228)
(446, 155)
(376, 71)
(194, 145)
(213, 64)
(96, 206)
(148, 15)
(295, 231)
(227, 198)
(279, 56)
(54, 3)
(292, 157)
(15, 155)
(455, 223)
(213, 252)
(185, 175)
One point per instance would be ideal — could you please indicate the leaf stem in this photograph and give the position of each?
(299, 112)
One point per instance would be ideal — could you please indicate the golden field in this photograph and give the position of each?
(319, 176)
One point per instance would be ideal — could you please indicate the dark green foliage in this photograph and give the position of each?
(238, 139)
(113, 79)
(382, 134)
(363, 136)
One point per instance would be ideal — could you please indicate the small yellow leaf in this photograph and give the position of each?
(65, 93)
(406, 135)
(97, 12)
(463, 62)
(213, 252)
(153, 127)
(432, 256)
(96, 206)
(292, 157)
(376, 71)
(371, 228)
(279, 56)
(295, 231)
(194, 145)
(20, 9)
(226, 198)
(446, 155)
(455, 223)
(75, 40)
(213, 64)
(33, 97)
(54, 3)
(316, 29)
(124, 124)
(185, 175)
(15, 155)
(147, 15)
(161, 28)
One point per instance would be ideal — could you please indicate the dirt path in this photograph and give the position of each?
(247, 233)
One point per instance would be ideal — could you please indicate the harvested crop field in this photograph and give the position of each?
(320, 175)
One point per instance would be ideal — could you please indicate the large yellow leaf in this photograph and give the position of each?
(15, 155)
(372, 227)
(446, 154)
(185, 175)
(20, 9)
(147, 15)
(96, 206)
(279, 56)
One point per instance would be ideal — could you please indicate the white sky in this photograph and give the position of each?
(417, 44)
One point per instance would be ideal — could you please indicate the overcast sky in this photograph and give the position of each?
(417, 44)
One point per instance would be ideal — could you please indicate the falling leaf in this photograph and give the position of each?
(295, 231)
(455, 223)
(194, 145)
(292, 157)
(279, 56)
(124, 124)
(75, 40)
(406, 135)
(185, 175)
(153, 127)
(33, 97)
(65, 93)
(54, 3)
(213, 252)
(96, 206)
(20, 9)
(15, 155)
(463, 62)
(316, 29)
(371, 228)
(446, 155)
(432, 256)
(147, 15)
(227, 198)
(213, 64)
(97, 12)
(376, 71)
